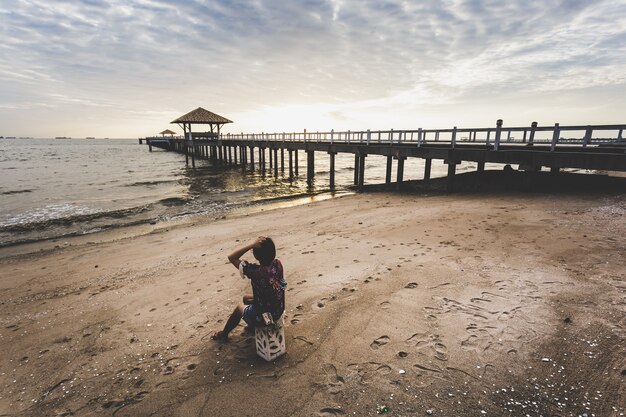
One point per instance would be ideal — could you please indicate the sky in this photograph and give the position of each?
(127, 68)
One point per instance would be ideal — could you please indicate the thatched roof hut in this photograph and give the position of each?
(202, 116)
(167, 132)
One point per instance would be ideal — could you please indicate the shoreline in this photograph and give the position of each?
(469, 294)
(490, 181)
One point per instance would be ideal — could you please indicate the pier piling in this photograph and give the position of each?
(332, 170)
(310, 167)
(389, 167)
(400, 174)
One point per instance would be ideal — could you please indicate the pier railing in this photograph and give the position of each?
(579, 136)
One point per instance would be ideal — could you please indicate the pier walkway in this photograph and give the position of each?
(597, 147)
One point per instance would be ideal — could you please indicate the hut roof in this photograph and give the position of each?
(167, 132)
(202, 116)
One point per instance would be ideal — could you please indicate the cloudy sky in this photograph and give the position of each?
(126, 68)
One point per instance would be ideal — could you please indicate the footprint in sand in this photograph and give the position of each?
(430, 341)
(369, 370)
(381, 341)
(296, 318)
(411, 285)
(330, 412)
(332, 378)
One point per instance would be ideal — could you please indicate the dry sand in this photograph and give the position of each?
(456, 305)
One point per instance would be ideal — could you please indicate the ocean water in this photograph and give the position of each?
(50, 188)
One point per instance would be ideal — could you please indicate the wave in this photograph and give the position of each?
(173, 201)
(149, 183)
(15, 192)
(30, 223)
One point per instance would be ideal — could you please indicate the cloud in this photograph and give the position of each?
(238, 57)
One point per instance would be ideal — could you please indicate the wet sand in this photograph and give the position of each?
(490, 304)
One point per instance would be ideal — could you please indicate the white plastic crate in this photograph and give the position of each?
(270, 340)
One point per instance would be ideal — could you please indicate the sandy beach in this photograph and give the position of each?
(400, 304)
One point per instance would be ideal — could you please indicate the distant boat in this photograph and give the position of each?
(90, 137)
(11, 137)
(62, 137)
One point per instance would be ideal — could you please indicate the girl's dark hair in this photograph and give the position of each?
(266, 253)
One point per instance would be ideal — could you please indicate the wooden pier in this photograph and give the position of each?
(594, 147)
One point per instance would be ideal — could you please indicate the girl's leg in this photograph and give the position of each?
(232, 322)
(248, 299)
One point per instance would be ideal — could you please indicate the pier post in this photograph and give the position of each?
(193, 149)
(244, 158)
(219, 156)
(290, 165)
(362, 170)
(149, 145)
(496, 144)
(271, 159)
(251, 158)
(310, 167)
(389, 167)
(356, 168)
(481, 166)
(332, 170)
(282, 158)
(295, 157)
(451, 174)
(262, 160)
(276, 162)
(427, 167)
(400, 174)
(230, 155)
(235, 154)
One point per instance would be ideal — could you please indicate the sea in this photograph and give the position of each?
(54, 188)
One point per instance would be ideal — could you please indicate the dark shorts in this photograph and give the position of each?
(250, 316)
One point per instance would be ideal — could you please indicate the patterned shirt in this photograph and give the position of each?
(268, 287)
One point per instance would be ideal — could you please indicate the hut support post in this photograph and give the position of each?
(193, 148)
(185, 145)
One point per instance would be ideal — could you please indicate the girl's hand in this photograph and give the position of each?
(258, 242)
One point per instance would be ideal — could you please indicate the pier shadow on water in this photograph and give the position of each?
(504, 181)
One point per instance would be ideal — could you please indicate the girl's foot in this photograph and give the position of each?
(219, 335)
